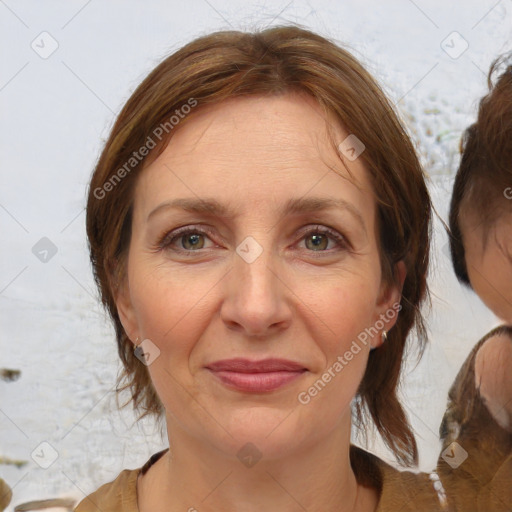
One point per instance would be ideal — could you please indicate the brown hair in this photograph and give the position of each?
(485, 169)
(274, 61)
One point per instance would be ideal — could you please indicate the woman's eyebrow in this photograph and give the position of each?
(292, 206)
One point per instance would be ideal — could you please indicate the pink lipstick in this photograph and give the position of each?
(256, 376)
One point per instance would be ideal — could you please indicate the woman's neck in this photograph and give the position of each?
(195, 477)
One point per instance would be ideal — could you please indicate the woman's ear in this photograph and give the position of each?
(125, 310)
(388, 305)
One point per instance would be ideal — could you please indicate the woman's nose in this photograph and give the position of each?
(257, 298)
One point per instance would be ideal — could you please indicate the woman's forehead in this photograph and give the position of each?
(291, 125)
(257, 144)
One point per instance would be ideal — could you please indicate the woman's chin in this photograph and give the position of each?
(265, 432)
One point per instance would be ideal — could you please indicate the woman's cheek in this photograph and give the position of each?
(161, 300)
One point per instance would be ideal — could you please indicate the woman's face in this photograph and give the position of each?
(489, 264)
(280, 262)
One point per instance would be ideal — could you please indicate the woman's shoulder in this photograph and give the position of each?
(120, 494)
(399, 490)
(408, 491)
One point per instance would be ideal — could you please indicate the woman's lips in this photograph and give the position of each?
(257, 382)
(256, 376)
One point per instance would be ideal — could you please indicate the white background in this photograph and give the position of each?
(56, 113)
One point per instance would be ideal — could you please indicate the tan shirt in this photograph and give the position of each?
(399, 491)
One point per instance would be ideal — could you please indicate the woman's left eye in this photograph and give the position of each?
(320, 237)
(193, 239)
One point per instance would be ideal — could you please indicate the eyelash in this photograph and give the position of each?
(166, 240)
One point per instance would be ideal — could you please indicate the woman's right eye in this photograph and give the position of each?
(187, 239)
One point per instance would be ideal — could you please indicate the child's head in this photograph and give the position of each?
(481, 205)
